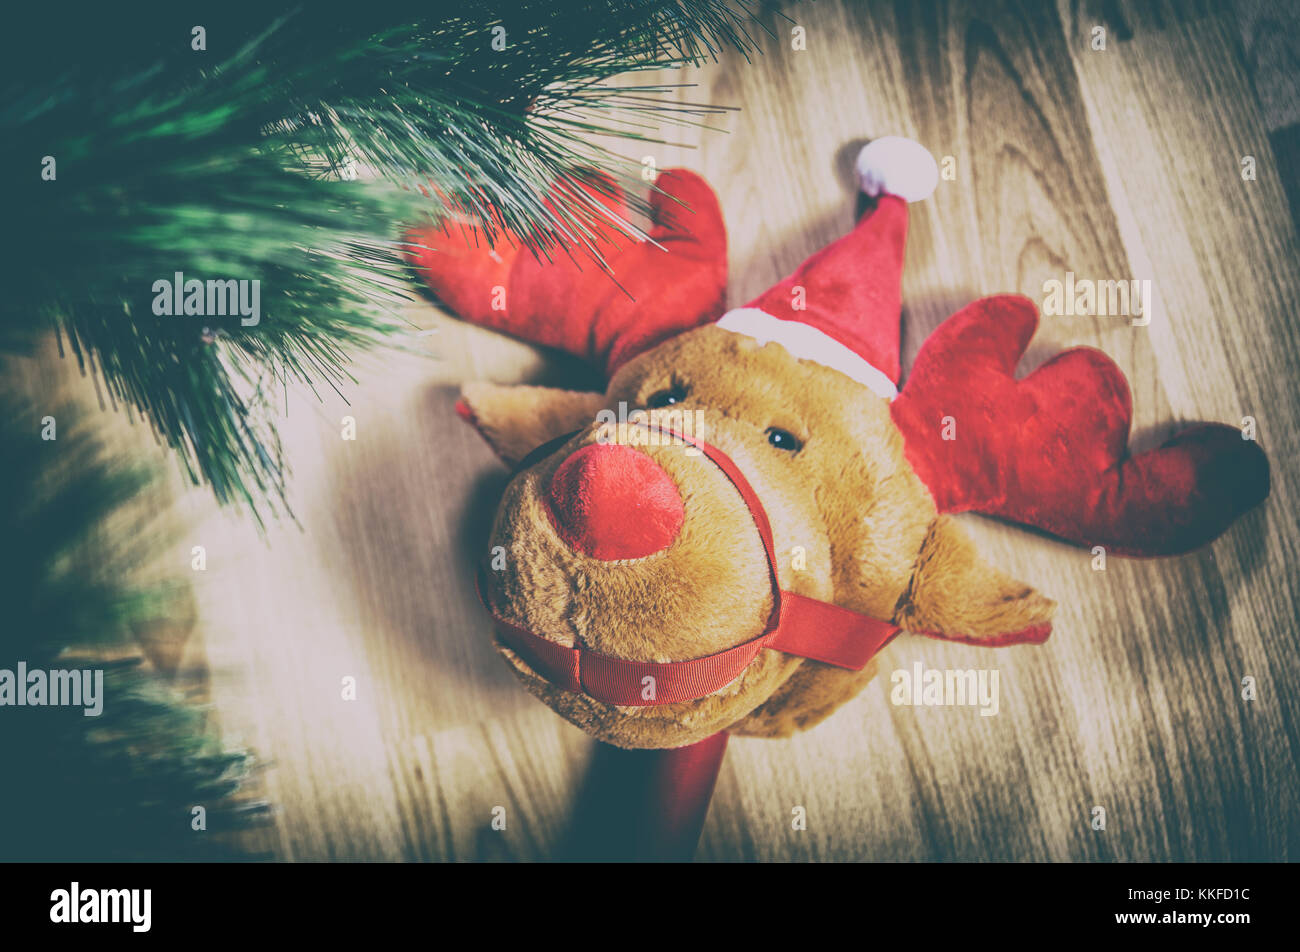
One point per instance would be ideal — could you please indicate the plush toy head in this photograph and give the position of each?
(725, 537)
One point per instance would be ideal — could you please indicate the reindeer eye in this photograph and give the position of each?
(666, 398)
(783, 439)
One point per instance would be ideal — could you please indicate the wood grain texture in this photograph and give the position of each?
(1114, 164)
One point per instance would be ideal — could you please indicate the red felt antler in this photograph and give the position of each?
(660, 288)
(1051, 450)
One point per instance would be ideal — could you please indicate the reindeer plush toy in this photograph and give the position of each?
(721, 541)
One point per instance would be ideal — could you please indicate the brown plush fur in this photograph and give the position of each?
(868, 530)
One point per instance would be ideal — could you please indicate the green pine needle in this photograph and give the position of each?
(237, 162)
(121, 785)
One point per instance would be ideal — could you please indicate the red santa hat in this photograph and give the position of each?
(841, 307)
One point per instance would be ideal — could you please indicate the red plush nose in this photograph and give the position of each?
(613, 502)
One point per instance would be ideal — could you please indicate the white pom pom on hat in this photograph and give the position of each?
(892, 165)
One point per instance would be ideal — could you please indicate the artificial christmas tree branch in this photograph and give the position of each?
(118, 774)
(141, 145)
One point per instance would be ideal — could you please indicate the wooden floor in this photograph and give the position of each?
(1115, 164)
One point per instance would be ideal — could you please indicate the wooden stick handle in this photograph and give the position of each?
(645, 805)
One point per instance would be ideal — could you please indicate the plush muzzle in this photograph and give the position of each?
(613, 502)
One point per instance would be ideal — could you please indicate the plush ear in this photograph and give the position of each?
(955, 595)
(517, 420)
